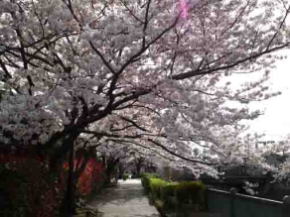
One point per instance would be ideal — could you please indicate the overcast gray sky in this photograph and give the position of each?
(275, 123)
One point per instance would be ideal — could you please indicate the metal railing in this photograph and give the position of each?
(232, 204)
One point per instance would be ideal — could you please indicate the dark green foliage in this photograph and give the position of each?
(191, 192)
(16, 198)
(156, 185)
(173, 194)
(125, 176)
(145, 179)
(168, 193)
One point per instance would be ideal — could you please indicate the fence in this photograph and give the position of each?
(232, 204)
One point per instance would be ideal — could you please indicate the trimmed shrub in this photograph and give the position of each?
(191, 192)
(145, 179)
(168, 192)
(174, 194)
(125, 176)
(156, 184)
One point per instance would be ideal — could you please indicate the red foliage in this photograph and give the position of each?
(44, 191)
(90, 177)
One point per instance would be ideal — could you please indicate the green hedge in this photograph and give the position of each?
(156, 185)
(174, 193)
(191, 192)
(168, 193)
(145, 179)
(125, 176)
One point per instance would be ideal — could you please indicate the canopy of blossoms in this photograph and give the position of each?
(147, 72)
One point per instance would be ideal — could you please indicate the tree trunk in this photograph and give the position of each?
(139, 165)
(68, 203)
(121, 170)
(111, 164)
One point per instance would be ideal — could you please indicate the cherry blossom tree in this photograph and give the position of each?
(67, 66)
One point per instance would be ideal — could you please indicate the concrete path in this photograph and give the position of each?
(127, 200)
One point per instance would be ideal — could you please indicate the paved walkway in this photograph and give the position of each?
(127, 200)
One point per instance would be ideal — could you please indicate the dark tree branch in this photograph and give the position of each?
(193, 73)
(178, 155)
